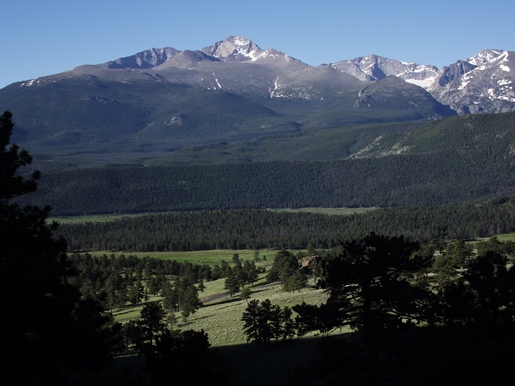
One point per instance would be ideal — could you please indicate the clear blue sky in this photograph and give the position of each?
(41, 38)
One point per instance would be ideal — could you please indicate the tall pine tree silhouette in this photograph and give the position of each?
(48, 333)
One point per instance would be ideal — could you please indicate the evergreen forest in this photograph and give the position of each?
(262, 229)
(407, 299)
(455, 160)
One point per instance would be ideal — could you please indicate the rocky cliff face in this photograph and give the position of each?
(233, 48)
(482, 83)
(373, 67)
(448, 73)
(147, 59)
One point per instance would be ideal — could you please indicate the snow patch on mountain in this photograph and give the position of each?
(29, 83)
(234, 48)
(217, 82)
(481, 83)
(373, 67)
(272, 54)
(424, 83)
(485, 57)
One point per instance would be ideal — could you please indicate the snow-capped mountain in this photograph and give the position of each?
(481, 83)
(238, 48)
(234, 90)
(234, 48)
(373, 67)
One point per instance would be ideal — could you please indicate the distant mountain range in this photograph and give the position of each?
(460, 159)
(482, 83)
(159, 101)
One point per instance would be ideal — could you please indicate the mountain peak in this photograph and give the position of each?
(237, 48)
(150, 58)
(374, 67)
(484, 57)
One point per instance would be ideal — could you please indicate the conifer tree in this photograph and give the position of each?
(232, 284)
(48, 333)
(371, 288)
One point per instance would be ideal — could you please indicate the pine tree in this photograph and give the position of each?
(136, 293)
(245, 293)
(296, 281)
(232, 284)
(152, 321)
(371, 288)
(266, 321)
(250, 272)
(47, 331)
(188, 300)
(171, 297)
(201, 287)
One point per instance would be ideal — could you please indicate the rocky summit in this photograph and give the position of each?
(163, 100)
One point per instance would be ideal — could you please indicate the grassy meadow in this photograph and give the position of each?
(501, 237)
(220, 313)
(329, 211)
(93, 218)
(220, 316)
(112, 217)
(210, 257)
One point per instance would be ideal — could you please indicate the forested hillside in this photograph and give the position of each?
(464, 134)
(255, 229)
(404, 180)
(454, 160)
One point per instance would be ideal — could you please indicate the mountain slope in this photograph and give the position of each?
(373, 67)
(482, 83)
(455, 160)
(85, 113)
(465, 136)
(486, 84)
(162, 100)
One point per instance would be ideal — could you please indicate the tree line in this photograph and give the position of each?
(55, 329)
(130, 280)
(257, 229)
(417, 314)
(425, 179)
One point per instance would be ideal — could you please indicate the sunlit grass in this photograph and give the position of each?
(221, 317)
(329, 211)
(112, 217)
(210, 257)
(501, 237)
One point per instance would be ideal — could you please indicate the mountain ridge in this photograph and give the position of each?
(365, 68)
(461, 85)
(162, 100)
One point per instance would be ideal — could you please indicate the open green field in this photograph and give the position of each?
(329, 211)
(220, 313)
(501, 237)
(112, 217)
(210, 257)
(221, 319)
(94, 218)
